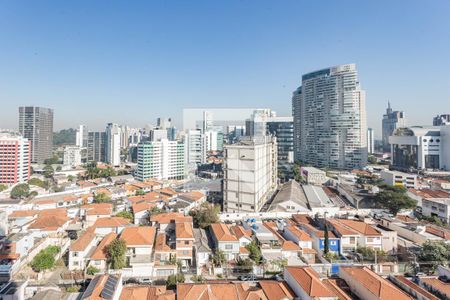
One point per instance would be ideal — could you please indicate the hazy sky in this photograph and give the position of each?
(131, 61)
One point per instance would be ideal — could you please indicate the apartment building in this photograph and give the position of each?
(15, 158)
(396, 178)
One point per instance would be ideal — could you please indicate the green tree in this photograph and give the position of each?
(205, 215)
(20, 191)
(395, 199)
(172, 280)
(140, 192)
(101, 197)
(51, 161)
(37, 182)
(91, 270)
(115, 252)
(45, 259)
(218, 258)
(434, 253)
(245, 265)
(372, 159)
(48, 171)
(3, 187)
(125, 214)
(255, 252)
(197, 278)
(280, 263)
(64, 137)
(71, 178)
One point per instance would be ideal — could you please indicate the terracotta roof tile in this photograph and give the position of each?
(276, 290)
(222, 233)
(184, 231)
(310, 282)
(99, 253)
(359, 226)
(139, 236)
(166, 218)
(83, 241)
(111, 222)
(299, 234)
(146, 293)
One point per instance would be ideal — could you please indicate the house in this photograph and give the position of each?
(202, 250)
(147, 293)
(244, 235)
(80, 250)
(307, 285)
(184, 243)
(167, 221)
(147, 186)
(91, 212)
(318, 238)
(220, 290)
(50, 221)
(366, 284)
(139, 240)
(103, 226)
(98, 258)
(348, 237)
(13, 250)
(276, 290)
(107, 286)
(141, 212)
(290, 198)
(368, 235)
(165, 256)
(298, 236)
(224, 240)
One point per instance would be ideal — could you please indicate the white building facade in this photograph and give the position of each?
(113, 143)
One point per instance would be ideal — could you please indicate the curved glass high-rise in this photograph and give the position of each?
(330, 127)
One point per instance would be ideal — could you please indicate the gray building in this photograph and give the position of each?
(329, 112)
(283, 129)
(96, 146)
(36, 125)
(441, 120)
(391, 121)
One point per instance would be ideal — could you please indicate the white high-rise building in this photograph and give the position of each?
(208, 122)
(256, 125)
(72, 156)
(113, 143)
(391, 121)
(161, 159)
(82, 135)
(124, 136)
(370, 141)
(329, 112)
(250, 175)
(15, 158)
(195, 148)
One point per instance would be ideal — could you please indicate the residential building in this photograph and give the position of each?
(82, 135)
(104, 286)
(368, 236)
(36, 125)
(396, 178)
(80, 250)
(250, 173)
(15, 158)
(98, 258)
(392, 120)
(96, 149)
(225, 241)
(162, 159)
(370, 141)
(306, 284)
(441, 120)
(90, 213)
(147, 293)
(202, 250)
(257, 124)
(184, 241)
(329, 112)
(103, 226)
(298, 236)
(113, 143)
(419, 147)
(437, 207)
(194, 142)
(366, 284)
(72, 156)
(224, 290)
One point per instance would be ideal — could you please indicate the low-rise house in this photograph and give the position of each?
(244, 235)
(412, 288)
(50, 222)
(80, 251)
(298, 236)
(389, 239)
(368, 235)
(165, 256)
(348, 237)
(184, 243)
(107, 286)
(13, 250)
(141, 212)
(437, 207)
(147, 293)
(166, 221)
(220, 290)
(18, 218)
(318, 238)
(98, 257)
(148, 186)
(202, 250)
(436, 286)
(91, 212)
(103, 226)
(225, 241)
(366, 284)
(306, 284)
(56, 200)
(276, 290)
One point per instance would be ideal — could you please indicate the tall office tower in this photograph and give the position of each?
(370, 141)
(72, 156)
(208, 122)
(158, 134)
(172, 133)
(36, 125)
(330, 119)
(15, 158)
(161, 159)
(163, 123)
(135, 136)
(195, 148)
(296, 113)
(391, 121)
(250, 174)
(113, 137)
(82, 136)
(256, 124)
(124, 136)
(282, 128)
(96, 146)
(441, 120)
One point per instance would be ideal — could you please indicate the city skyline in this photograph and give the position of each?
(245, 56)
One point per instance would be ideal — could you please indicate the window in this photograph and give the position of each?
(333, 243)
(186, 242)
(229, 247)
(75, 254)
